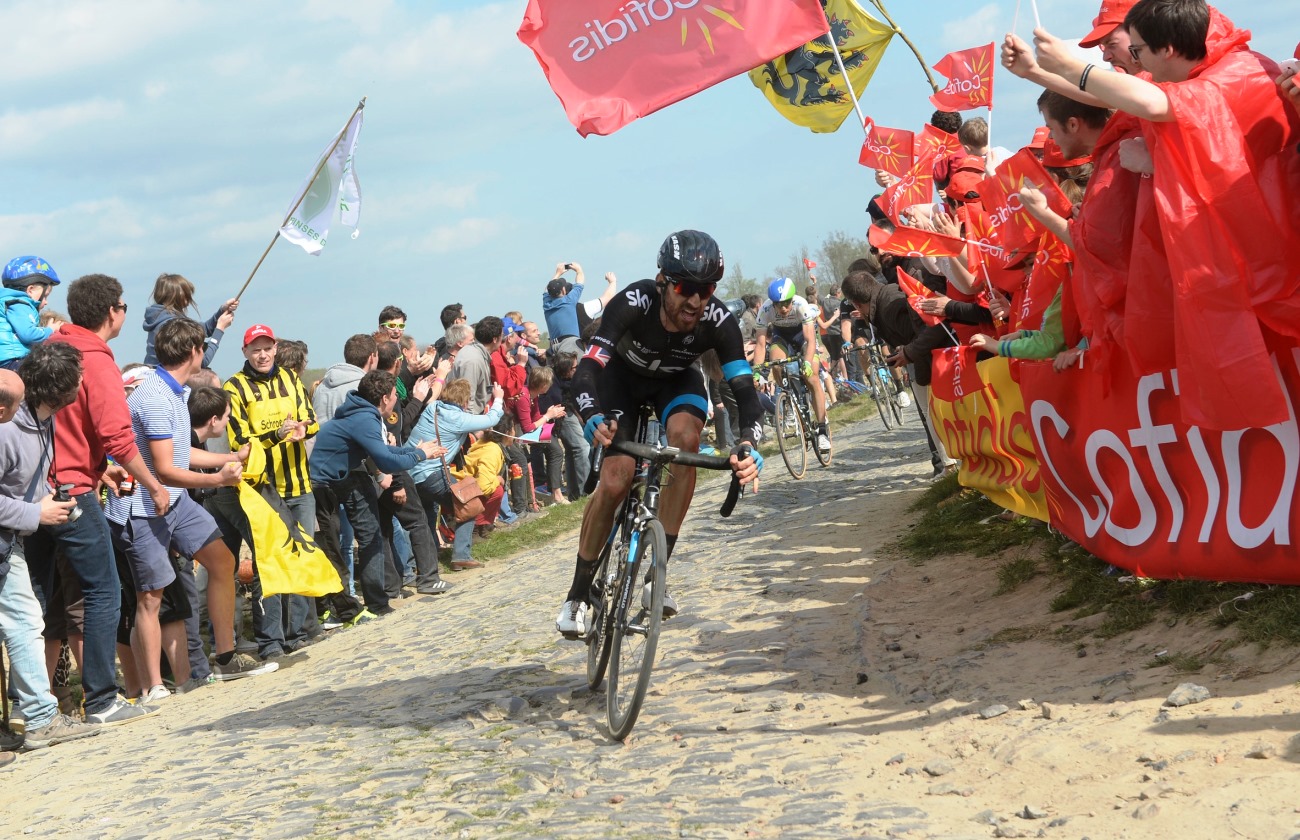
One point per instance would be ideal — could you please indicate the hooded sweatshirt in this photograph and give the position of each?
(356, 433)
(98, 423)
(25, 452)
(157, 315)
(20, 327)
(334, 388)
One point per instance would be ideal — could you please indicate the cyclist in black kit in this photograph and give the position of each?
(650, 337)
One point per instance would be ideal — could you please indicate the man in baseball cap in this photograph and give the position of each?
(257, 331)
(1108, 32)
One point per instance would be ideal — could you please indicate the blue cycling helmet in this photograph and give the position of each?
(22, 272)
(780, 290)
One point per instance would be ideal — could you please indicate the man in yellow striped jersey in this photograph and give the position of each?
(270, 409)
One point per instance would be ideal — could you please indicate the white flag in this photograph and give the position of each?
(334, 189)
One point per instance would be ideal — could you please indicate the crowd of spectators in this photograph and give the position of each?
(124, 538)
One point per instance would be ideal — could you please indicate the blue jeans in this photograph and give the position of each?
(20, 630)
(578, 453)
(402, 548)
(434, 494)
(88, 548)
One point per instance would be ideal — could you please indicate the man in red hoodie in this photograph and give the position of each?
(1225, 178)
(94, 428)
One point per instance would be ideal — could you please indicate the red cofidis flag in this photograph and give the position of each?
(613, 61)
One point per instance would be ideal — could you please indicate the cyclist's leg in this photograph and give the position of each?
(684, 406)
(619, 391)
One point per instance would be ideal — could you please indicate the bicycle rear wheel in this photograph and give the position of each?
(790, 434)
(823, 457)
(603, 591)
(635, 629)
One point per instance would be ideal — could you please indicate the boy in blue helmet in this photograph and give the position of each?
(27, 285)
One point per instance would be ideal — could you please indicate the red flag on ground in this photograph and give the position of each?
(891, 150)
(612, 64)
(970, 80)
(953, 374)
(914, 242)
(809, 264)
(916, 293)
(1014, 227)
(935, 143)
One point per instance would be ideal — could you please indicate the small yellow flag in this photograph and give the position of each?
(287, 562)
(805, 85)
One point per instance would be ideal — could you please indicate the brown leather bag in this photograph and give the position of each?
(467, 496)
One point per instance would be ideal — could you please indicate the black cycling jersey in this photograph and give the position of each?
(632, 330)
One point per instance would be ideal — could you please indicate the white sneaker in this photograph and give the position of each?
(572, 620)
(153, 695)
(904, 400)
(670, 606)
(823, 443)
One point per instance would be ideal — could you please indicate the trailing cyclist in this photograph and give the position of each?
(645, 351)
(788, 324)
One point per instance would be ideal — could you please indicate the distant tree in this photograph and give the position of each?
(736, 284)
(797, 270)
(838, 251)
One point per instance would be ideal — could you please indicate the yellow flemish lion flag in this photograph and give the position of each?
(287, 562)
(805, 85)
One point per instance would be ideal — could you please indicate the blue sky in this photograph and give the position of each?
(171, 135)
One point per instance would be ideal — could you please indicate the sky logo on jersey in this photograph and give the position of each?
(599, 355)
(638, 298)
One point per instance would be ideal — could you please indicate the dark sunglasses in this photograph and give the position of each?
(690, 288)
(120, 307)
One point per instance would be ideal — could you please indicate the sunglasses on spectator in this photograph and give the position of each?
(120, 307)
(394, 325)
(1135, 50)
(690, 288)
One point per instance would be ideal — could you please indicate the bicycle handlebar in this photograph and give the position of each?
(688, 459)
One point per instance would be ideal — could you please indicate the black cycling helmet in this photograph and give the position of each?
(691, 255)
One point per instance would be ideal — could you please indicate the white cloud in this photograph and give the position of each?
(23, 131)
(461, 236)
(988, 23)
(46, 40)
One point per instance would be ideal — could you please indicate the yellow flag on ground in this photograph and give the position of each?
(287, 562)
(806, 85)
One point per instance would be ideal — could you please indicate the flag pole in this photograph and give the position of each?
(324, 160)
(880, 7)
(848, 83)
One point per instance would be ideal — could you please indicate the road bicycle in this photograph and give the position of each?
(796, 428)
(880, 382)
(627, 597)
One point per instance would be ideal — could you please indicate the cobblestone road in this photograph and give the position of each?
(466, 717)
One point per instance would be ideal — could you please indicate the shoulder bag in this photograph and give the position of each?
(466, 495)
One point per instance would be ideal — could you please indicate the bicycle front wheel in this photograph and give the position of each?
(790, 435)
(635, 629)
(881, 388)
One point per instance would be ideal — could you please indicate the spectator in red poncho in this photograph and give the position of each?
(1226, 182)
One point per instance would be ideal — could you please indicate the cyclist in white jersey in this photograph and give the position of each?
(787, 324)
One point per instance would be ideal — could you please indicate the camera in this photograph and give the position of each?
(568, 266)
(61, 495)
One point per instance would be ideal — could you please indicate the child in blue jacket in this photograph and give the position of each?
(28, 282)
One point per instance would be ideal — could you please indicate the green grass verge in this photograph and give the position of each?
(957, 520)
